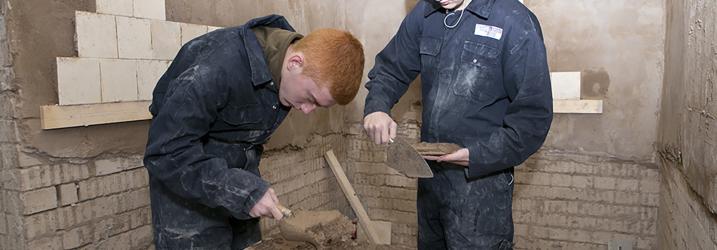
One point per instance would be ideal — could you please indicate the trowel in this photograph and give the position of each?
(402, 157)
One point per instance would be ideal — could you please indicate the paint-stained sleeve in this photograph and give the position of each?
(530, 112)
(397, 65)
(175, 155)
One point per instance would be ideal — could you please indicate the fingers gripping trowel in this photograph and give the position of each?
(404, 159)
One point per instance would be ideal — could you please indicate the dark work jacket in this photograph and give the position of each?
(213, 109)
(485, 83)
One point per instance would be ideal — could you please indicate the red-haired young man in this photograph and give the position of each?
(225, 93)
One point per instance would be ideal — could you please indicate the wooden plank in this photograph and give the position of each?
(350, 193)
(55, 116)
(577, 106)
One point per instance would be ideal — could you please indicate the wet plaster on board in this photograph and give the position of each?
(623, 65)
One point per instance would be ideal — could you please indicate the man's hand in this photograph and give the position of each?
(460, 157)
(379, 127)
(266, 206)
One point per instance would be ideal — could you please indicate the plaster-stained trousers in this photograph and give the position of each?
(457, 213)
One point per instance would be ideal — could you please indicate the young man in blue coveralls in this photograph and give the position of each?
(486, 87)
(220, 100)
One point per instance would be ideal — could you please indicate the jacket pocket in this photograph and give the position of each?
(429, 49)
(477, 71)
(245, 117)
(430, 46)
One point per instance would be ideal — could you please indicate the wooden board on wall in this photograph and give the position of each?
(577, 106)
(56, 116)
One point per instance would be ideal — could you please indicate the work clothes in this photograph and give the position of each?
(212, 111)
(486, 87)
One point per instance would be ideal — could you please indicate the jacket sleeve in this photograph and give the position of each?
(397, 65)
(175, 155)
(530, 112)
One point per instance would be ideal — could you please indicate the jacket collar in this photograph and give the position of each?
(481, 8)
(260, 73)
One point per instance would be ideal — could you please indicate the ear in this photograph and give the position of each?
(296, 61)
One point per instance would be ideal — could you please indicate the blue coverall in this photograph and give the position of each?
(213, 109)
(485, 86)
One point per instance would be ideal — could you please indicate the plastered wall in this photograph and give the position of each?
(687, 142)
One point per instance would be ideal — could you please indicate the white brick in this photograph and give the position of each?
(109, 166)
(191, 31)
(27, 160)
(8, 132)
(96, 35)
(565, 85)
(152, 9)
(112, 184)
(37, 177)
(140, 217)
(141, 237)
(48, 243)
(115, 7)
(40, 224)
(8, 105)
(134, 38)
(650, 186)
(77, 237)
(68, 194)
(119, 80)
(627, 184)
(72, 172)
(121, 241)
(39, 200)
(605, 182)
(582, 182)
(148, 74)
(8, 156)
(166, 39)
(78, 81)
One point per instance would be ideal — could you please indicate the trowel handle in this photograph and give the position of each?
(285, 211)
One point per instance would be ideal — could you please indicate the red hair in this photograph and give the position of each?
(334, 59)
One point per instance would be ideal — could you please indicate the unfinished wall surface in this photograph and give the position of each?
(688, 125)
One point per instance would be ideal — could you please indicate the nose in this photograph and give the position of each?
(307, 108)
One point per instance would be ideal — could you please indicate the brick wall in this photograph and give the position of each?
(302, 179)
(561, 201)
(570, 201)
(386, 194)
(68, 204)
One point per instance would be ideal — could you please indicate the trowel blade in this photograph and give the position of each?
(404, 159)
